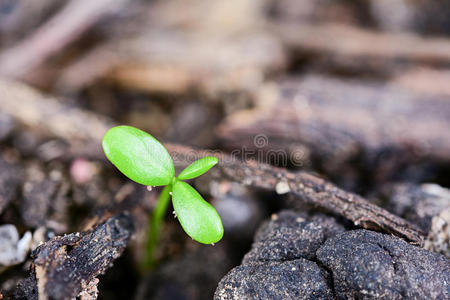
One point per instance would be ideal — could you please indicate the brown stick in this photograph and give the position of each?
(351, 42)
(49, 116)
(74, 19)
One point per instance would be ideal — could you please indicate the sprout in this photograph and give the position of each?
(143, 159)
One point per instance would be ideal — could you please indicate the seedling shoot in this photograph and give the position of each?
(143, 159)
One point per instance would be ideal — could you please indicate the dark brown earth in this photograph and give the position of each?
(330, 120)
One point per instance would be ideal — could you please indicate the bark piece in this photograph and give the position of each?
(65, 265)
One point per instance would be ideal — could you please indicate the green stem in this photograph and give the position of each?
(156, 218)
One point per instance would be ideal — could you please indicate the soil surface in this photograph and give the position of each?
(330, 120)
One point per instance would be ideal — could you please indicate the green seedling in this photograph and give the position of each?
(144, 160)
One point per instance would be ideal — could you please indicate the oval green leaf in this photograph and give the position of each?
(198, 218)
(138, 155)
(198, 167)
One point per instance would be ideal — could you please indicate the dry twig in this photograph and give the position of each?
(67, 25)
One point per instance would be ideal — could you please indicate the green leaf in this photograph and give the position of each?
(198, 218)
(138, 155)
(198, 167)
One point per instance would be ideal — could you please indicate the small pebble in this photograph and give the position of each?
(282, 187)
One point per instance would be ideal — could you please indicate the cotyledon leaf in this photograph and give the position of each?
(198, 167)
(198, 218)
(138, 155)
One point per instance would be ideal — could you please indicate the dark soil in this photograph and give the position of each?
(330, 119)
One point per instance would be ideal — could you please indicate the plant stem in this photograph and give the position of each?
(156, 218)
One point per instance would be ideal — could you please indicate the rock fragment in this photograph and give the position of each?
(280, 265)
(296, 279)
(366, 264)
(12, 249)
(292, 235)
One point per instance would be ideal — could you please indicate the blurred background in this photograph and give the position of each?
(355, 91)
